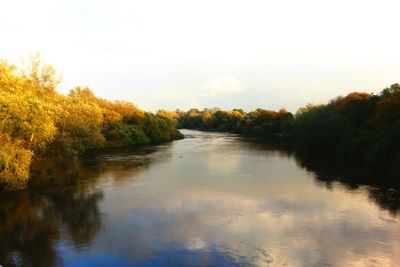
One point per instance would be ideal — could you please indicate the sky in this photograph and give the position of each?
(221, 53)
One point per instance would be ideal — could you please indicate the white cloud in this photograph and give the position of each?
(221, 85)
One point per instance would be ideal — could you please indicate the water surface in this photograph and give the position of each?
(211, 199)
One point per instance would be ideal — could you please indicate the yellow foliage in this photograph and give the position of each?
(14, 164)
(36, 121)
(26, 118)
(127, 110)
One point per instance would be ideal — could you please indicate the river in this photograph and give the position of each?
(211, 199)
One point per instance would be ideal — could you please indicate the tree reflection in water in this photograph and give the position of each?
(384, 192)
(32, 221)
(61, 203)
(383, 188)
(172, 219)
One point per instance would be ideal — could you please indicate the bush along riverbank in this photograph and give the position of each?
(37, 123)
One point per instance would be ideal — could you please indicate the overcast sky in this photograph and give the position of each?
(231, 54)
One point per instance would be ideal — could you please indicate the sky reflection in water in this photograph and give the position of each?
(213, 199)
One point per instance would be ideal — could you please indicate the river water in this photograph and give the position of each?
(211, 199)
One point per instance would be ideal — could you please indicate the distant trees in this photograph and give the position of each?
(360, 127)
(261, 123)
(36, 121)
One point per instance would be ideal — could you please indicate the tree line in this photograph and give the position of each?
(37, 123)
(362, 128)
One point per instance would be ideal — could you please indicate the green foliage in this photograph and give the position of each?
(318, 127)
(263, 124)
(360, 127)
(120, 134)
(159, 128)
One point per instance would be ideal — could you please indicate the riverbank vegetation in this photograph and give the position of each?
(37, 123)
(362, 128)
